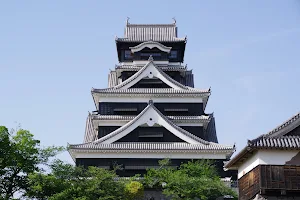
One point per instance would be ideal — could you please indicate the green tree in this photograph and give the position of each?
(192, 180)
(20, 155)
(94, 183)
(66, 181)
(134, 190)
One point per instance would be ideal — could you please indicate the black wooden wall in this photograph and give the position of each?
(173, 74)
(134, 135)
(194, 109)
(167, 135)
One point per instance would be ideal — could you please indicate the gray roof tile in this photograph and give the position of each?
(285, 127)
(151, 32)
(131, 67)
(151, 91)
(203, 118)
(284, 142)
(90, 131)
(112, 79)
(152, 146)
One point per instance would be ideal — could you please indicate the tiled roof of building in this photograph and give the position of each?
(275, 139)
(152, 146)
(152, 91)
(151, 32)
(90, 131)
(282, 142)
(189, 78)
(131, 67)
(211, 133)
(131, 117)
(285, 127)
(112, 79)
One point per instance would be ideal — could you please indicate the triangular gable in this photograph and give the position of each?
(150, 116)
(151, 71)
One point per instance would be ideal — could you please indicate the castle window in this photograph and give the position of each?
(145, 56)
(176, 109)
(125, 109)
(151, 134)
(128, 55)
(173, 54)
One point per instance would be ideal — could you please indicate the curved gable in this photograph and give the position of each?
(150, 71)
(150, 45)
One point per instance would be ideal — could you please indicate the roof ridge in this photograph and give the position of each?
(150, 146)
(284, 124)
(172, 24)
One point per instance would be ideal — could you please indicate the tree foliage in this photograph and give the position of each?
(21, 158)
(68, 182)
(192, 180)
(134, 190)
(20, 155)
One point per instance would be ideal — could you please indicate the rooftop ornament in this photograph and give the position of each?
(174, 20)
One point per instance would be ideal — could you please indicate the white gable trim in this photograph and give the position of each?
(150, 71)
(150, 116)
(150, 45)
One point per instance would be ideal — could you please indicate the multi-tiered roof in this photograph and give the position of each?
(150, 88)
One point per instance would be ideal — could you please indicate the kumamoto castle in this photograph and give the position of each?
(151, 110)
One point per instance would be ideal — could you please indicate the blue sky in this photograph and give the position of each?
(53, 52)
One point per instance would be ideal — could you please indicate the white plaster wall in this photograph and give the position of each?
(248, 165)
(266, 157)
